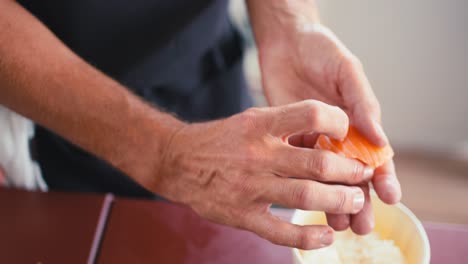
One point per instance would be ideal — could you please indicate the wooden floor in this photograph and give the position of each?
(435, 187)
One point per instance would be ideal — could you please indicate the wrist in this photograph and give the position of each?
(143, 145)
(305, 38)
(161, 149)
(274, 21)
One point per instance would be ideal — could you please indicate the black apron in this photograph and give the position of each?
(182, 55)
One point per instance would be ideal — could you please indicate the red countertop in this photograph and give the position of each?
(49, 227)
(78, 228)
(155, 232)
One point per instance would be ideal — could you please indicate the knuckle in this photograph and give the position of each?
(268, 232)
(314, 113)
(357, 172)
(303, 194)
(311, 104)
(322, 165)
(278, 238)
(306, 163)
(305, 241)
(249, 120)
(340, 201)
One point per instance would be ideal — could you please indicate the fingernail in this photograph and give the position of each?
(326, 238)
(358, 202)
(368, 173)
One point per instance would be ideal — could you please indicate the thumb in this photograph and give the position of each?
(361, 101)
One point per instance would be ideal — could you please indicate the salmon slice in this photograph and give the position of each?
(355, 146)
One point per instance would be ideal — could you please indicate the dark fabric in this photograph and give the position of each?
(183, 56)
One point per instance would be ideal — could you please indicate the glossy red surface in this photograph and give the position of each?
(64, 228)
(156, 232)
(47, 227)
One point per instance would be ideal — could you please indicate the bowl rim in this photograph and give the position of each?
(400, 206)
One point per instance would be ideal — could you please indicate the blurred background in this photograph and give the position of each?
(415, 54)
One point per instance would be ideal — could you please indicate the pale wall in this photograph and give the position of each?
(416, 56)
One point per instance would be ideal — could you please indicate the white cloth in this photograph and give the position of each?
(15, 159)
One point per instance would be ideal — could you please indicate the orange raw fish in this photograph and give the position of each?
(355, 146)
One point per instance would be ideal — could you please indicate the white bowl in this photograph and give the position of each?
(392, 222)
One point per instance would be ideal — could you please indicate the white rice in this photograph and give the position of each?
(350, 248)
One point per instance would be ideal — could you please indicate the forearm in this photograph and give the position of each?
(45, 81)
(275, 19)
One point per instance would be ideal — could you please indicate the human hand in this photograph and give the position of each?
(230, 171)
(309, 62)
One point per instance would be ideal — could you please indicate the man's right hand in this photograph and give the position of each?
(230, 171)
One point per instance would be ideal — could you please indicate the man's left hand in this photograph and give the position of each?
(310, 62)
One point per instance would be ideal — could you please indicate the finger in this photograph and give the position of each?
(363, 222)
(311, 195)
(309, 116)
(364, 108)
(339, 222)
(320, 165)
(287, 234)
(386, 183)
